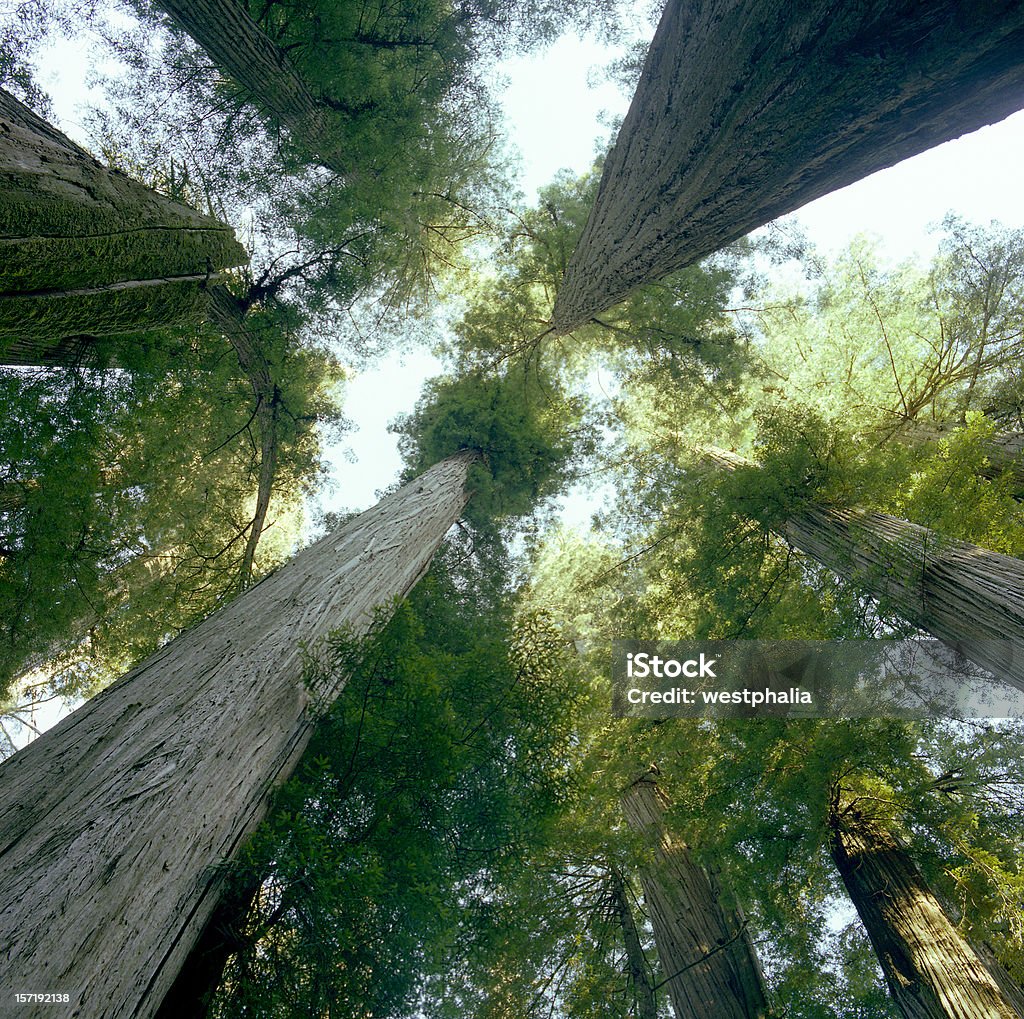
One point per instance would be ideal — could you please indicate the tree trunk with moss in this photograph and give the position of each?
(968, 597)
(87, 252)
(242, 51)
(748, 109)
(115, 824)
(711, 968)
(932, 972)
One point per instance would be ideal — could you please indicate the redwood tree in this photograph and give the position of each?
(705, 950)
(932, 972)
(116, 822)
(749, 109)
(967, 596)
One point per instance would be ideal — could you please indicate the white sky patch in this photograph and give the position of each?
(555, 114)
(367, 459)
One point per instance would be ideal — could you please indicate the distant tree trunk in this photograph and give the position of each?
(1004, 452)
(932, 972)
(748, 109)
(88, 252)
(966, 596)
(242, 51)
(115, 824)
(637, 970)
(711, 968)
(228, 314)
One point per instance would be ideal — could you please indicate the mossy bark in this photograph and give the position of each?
(748, 109)
(931, 970)
(86, 251)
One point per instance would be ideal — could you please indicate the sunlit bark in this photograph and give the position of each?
(931, 971)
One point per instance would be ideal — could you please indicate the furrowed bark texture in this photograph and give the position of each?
(242, 51)
(932, 972)
(637, 970)
(86, 251)
(966, 596)
(748, 109)
(711, 969)
(114, 824)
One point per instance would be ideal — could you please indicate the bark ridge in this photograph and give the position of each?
(748, 109)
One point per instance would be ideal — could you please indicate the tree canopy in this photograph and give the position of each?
(470, 832)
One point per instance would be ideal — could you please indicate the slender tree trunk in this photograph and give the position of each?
(712, 970)
(240, 48)
(932, 972)
(228, 313)
(637, 969)
(966, 596)
(86, 251)
(748, 109)
(114, 825)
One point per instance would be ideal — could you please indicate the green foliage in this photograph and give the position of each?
(129, 493)
(424, 786)
(820, 406)
(529, 436)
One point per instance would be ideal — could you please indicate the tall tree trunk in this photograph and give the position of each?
(637, 969)
(966, 596)
(87, 252)
(240, 48)
(115, 823)
(932, 972)
(748, 109)
(712, 970)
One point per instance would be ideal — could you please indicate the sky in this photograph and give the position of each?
(977, 176)
(557, 114)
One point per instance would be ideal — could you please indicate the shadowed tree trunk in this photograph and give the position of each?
(637, 969)
(240, 48)
(931, 971)
(87, 252)
(748, 109)
(966, 596)
(115, 823)
(712, 971)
